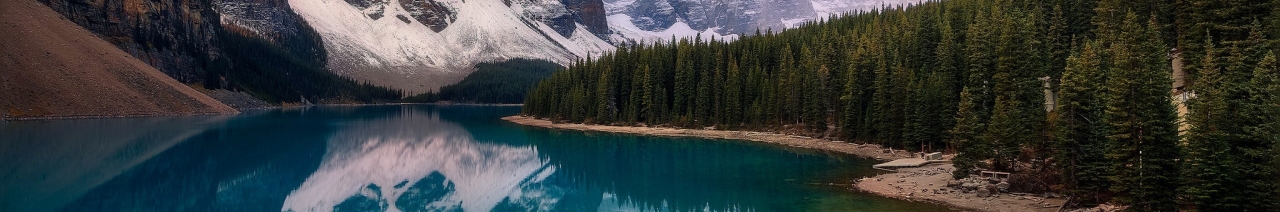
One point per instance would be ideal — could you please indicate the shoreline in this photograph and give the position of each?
(6, 117)
(73, 117)
(929, 181)
(863, 150)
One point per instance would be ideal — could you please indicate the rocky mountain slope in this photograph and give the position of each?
(50, 67)
(414, 46)
(647, 20)
(257, 46)
(420, 45)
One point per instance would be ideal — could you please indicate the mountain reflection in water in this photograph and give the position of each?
(450, 158)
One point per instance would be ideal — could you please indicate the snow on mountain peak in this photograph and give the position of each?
(420, 45)
(730, 17)
(405, 53)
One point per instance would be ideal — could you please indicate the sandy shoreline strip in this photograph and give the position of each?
(913, 184)
(864, 150)
(929, 184)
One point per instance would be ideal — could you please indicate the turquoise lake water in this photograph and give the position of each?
(406, 158)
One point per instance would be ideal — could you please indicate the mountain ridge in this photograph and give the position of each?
(52, 68)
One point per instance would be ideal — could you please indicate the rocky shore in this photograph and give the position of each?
(934, 183)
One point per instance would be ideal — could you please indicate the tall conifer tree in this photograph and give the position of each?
(1142, 129)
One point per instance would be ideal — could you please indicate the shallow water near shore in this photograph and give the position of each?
(407, 158)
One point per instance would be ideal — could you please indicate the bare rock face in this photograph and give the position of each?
(434, 15)
(172, 36)
(590, 13)
(372, 8)
(180, 38)
(731, 17)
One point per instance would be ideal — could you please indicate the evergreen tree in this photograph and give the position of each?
(964, 136)
(1208, 155)
(733, 95)
(607, 108)
(1142, 129)
(637, 93)
(1081, 140)
(1256, 151)
(702, 104)
(1264, 107)
(820, 105)
(1226, 167)
(791, 85)
(1005, 132)
(685, 79)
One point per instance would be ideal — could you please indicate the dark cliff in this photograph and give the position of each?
(175, 37)
(589, 13)
(258, 46)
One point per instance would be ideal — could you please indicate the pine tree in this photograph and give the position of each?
(635, 106)
(1257, 151)
(649, 95)
(1142, 129)
(1208, 158)
(702, 104)
(607, 108)
(969, 150)
(914, 126)
(733, 95)
(852, 101)
(685, 81)
(819, 100)
(1264, 108)
(1005, 132)
(1227, 168)
(981, 62)
(950, 62)
(1080, 141)
(791, 86)
(884, 115)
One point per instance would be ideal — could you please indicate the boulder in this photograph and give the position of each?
(984, 193)
(954, 183)
(1003, 186)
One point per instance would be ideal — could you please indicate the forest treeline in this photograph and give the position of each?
(275, 74)
(506, 82)
(973, 77)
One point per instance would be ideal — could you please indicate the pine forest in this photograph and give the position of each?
(1073, 96)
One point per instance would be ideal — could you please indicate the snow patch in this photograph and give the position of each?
(483, 31)
(625, 31)
(792, 23)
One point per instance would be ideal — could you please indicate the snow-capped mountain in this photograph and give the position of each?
(420, 45)
(661, 19)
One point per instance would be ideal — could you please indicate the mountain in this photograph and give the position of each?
(259, 47)
(342, 51)
(50, 67)
(654, 20)
(420, 45)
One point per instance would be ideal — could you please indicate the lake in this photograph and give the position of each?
(406, 158)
